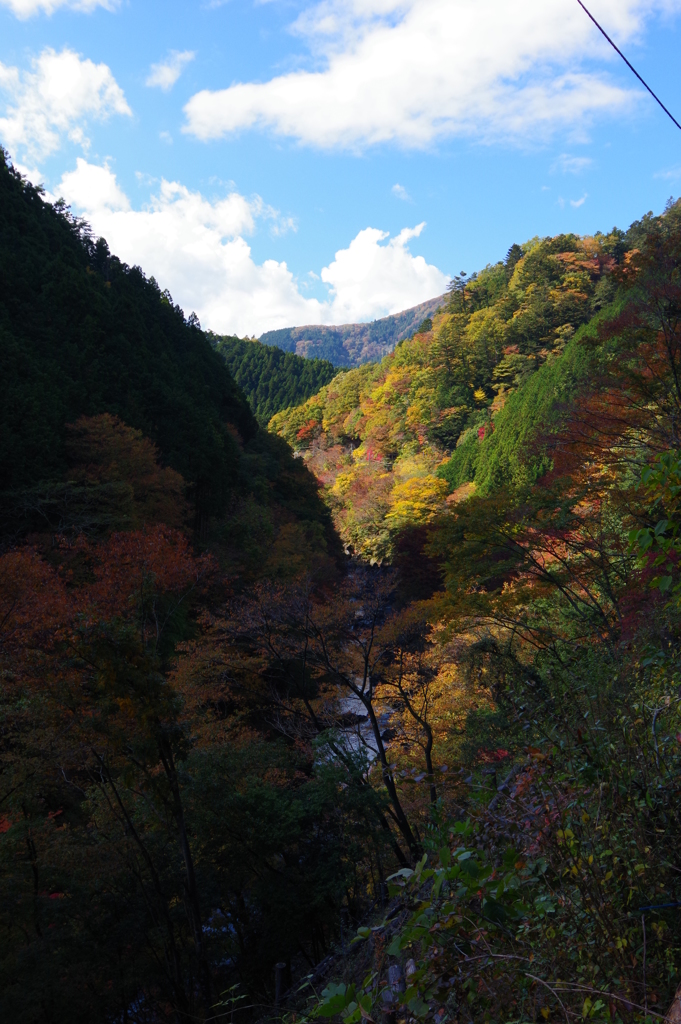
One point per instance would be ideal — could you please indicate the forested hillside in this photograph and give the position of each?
(520, 466)
(245, 777)
(270, 378)
(353, 344)
(390, 440)
(139, 497)
(83, 334)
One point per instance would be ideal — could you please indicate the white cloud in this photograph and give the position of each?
(56, 99)
(27, 8)
(414, 71)
(400, 192)
(568, 164)
(282, 225)
(576, 203)
(164, 75)
(369, 280)
(196, 248)
(93, 188)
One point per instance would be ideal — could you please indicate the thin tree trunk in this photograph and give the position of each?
(192, 888)
(33, 857)
(175, 966)
(429, 761)
(389, 782)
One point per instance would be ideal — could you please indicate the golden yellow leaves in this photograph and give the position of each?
(416, 500)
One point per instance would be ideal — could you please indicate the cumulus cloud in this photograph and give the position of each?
(91, 187)
(56, 98)
(196, 247)
(165, 74)
(27, 8)
(400, 192)
(369, 280)
(576, 203)
(414, 71)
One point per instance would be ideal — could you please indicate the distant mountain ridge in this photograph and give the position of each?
(353, 344)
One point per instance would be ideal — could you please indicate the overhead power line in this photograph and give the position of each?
(630, 66)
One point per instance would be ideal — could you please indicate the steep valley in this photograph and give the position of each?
(340, 693)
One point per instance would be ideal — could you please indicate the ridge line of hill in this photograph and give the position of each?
(353, 344)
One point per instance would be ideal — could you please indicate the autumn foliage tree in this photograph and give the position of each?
(104, 450)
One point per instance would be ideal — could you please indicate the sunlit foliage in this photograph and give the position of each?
(429, 407)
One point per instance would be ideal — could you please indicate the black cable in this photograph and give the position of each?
(630, 66)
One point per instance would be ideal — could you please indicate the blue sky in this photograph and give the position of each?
(286, 162)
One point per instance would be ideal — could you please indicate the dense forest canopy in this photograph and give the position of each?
(271, 379)
(83, 333)
(244, 776)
